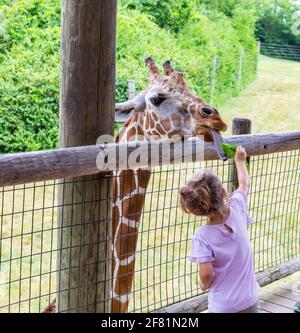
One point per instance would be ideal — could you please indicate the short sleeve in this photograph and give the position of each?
(238, 201)
(201, 252)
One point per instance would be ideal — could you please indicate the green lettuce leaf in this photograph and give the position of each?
(230, 151)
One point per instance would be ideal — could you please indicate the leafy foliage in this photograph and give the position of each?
(230, 151)
(192, 51)
(276, 21)
(29, 77)
(274, 18)
(226, 6)
(172, 14)
(183, 31)
(204, 37)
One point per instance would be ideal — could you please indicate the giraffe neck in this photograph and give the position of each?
(128, 202)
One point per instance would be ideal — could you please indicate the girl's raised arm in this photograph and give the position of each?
(243, 177)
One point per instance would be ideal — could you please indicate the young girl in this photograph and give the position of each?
(222, 246)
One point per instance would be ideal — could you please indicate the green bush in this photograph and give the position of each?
(29, 77)
(171, 14)
(191, 51)
(29, 94)
(137, 38)
(29, 63)
(203, 38)
(24, 18)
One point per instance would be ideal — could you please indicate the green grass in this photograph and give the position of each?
(272, 101)
(163, 275)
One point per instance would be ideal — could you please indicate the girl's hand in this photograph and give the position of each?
(240, 155)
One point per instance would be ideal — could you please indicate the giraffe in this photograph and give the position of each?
(166, 108)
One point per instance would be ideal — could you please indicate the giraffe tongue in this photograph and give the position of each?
(218, 140)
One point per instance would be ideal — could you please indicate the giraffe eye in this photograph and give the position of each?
(207, 112)
(157, 100)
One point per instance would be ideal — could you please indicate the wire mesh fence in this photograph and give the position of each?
(30, 270)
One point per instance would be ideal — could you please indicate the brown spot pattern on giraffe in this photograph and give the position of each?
(147, 121)
(133, 206)
(193, 108)
(126, 241)
(152, 122)
(135, 117)
(166, 124)
(176, 119)
(160, 129)
(125, 279)
(131, 133)
(154, 115)
(155, 133)
(115, 218)
(118, 307)
(127, 183)
(143, 177)
(115, 187)
(187, 121)
(140, 131)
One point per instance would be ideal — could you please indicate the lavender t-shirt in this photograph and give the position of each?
(234, 287)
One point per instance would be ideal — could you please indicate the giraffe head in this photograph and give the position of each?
(167, 108)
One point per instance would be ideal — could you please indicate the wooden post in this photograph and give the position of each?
(131, 89)
(240, 75)
(239, 126)
(258, 54)
(87, 111)
(258, 47)
(213, 78)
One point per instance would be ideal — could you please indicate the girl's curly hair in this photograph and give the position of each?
(203, 195)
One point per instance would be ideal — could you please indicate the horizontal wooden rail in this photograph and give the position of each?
(22, 168)
(291, 52)
(282, 45)
(199, 303)
(281, 48)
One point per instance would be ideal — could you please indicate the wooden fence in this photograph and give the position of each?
(290, 52)
(165, 282)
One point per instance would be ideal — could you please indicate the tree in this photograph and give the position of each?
(228, 7)
(275, 22)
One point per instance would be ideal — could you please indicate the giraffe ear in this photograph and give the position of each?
(121, 116)
(124, 111)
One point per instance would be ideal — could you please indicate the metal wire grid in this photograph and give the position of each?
(163, 276)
